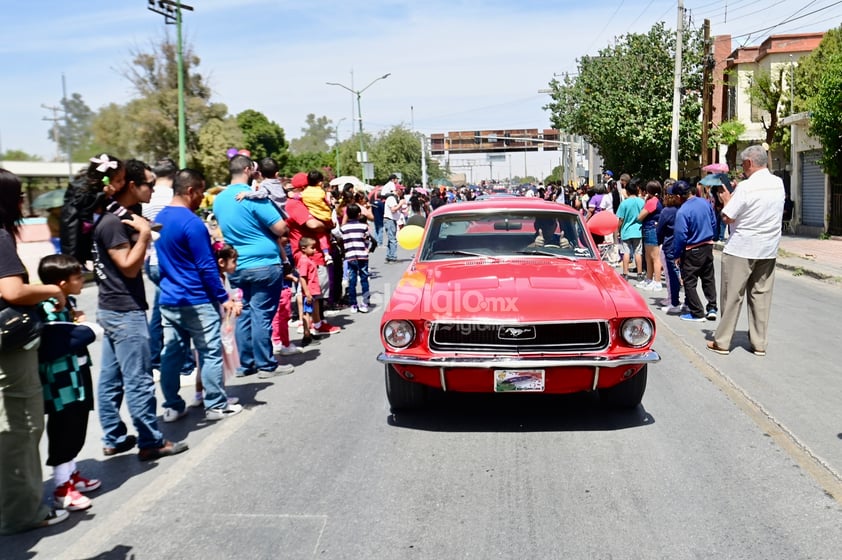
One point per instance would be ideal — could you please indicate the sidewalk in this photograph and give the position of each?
(819, 258)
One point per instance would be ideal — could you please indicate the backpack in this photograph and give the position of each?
(77, 218)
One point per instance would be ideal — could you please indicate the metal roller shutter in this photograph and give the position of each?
(812, 190)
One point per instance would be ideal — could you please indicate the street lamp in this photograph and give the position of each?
(171, 10)
(358, 93)
(338, 173)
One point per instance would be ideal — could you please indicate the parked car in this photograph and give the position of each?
(509, 295)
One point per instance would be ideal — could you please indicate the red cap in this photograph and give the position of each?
(299, 180)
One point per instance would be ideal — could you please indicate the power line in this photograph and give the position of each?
(641, 14)
(736, 10)
(607, 23)
(722, 7)
(789, 19)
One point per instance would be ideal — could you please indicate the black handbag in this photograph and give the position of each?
(20, 327)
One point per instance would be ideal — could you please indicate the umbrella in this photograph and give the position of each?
(50, 199)
(341, 181)
(716, 168)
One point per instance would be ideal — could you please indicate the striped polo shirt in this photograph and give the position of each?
(355, 238)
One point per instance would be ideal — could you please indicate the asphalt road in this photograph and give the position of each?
(729, 457)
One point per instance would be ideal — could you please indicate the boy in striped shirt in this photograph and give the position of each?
(355, 237)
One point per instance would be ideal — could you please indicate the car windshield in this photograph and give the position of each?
(509, 233)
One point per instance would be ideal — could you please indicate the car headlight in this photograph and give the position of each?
(399, 333)
(637, 332)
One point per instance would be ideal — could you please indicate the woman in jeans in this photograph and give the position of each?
(21, 395)
(648, 218)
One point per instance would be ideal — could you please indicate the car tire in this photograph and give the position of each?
(403, 394)
(627, 394)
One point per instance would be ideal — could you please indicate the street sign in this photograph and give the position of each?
(368, 172)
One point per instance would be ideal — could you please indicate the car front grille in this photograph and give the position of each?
(589, 336)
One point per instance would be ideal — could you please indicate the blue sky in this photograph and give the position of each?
(455, 65)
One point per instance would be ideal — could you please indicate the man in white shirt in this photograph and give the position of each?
(754, 212)
(391, 212)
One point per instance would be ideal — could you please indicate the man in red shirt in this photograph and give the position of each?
(302, 224)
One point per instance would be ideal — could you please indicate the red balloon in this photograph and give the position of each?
(603, 223)
(244, 152)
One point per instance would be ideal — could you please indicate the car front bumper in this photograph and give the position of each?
(512, 362)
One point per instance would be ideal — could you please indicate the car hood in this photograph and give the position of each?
(521, 290)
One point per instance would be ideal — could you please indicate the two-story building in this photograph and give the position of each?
(808, 186)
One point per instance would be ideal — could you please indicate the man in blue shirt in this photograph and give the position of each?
(253, 228)
(695, 224)
(191, 291)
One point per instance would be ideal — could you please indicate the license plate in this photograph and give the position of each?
(519, 380)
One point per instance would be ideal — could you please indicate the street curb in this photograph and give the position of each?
(809, 272)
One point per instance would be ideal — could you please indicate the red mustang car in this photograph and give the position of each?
(510, 295)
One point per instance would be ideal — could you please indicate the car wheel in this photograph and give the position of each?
(627, 394)
(403, 394)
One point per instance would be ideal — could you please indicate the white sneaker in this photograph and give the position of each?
(220, 413)
(672, 309)
(362, 309)
(289, 350)
(654, 286)
(642, 284)
(171, 414)
(198, 400)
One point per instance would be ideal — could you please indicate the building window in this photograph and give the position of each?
(731, 107)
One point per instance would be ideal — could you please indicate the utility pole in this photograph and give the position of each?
(55, 120)
(171, 10)
(707, 95)
(67, 124)
(676, 92)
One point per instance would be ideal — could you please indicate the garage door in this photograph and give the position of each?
(812, 190)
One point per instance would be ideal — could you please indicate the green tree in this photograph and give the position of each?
(18, 155)
(728, 133)
(817, 82)
(621, 101)
(826, 121)
(215, 137)
(74, 131)
(314, 136)
(113, 130)
(348, 149)
(766, 92)
(262, 137)
(812, 67)
(397, 150)
(153, 115)
(308, 161)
